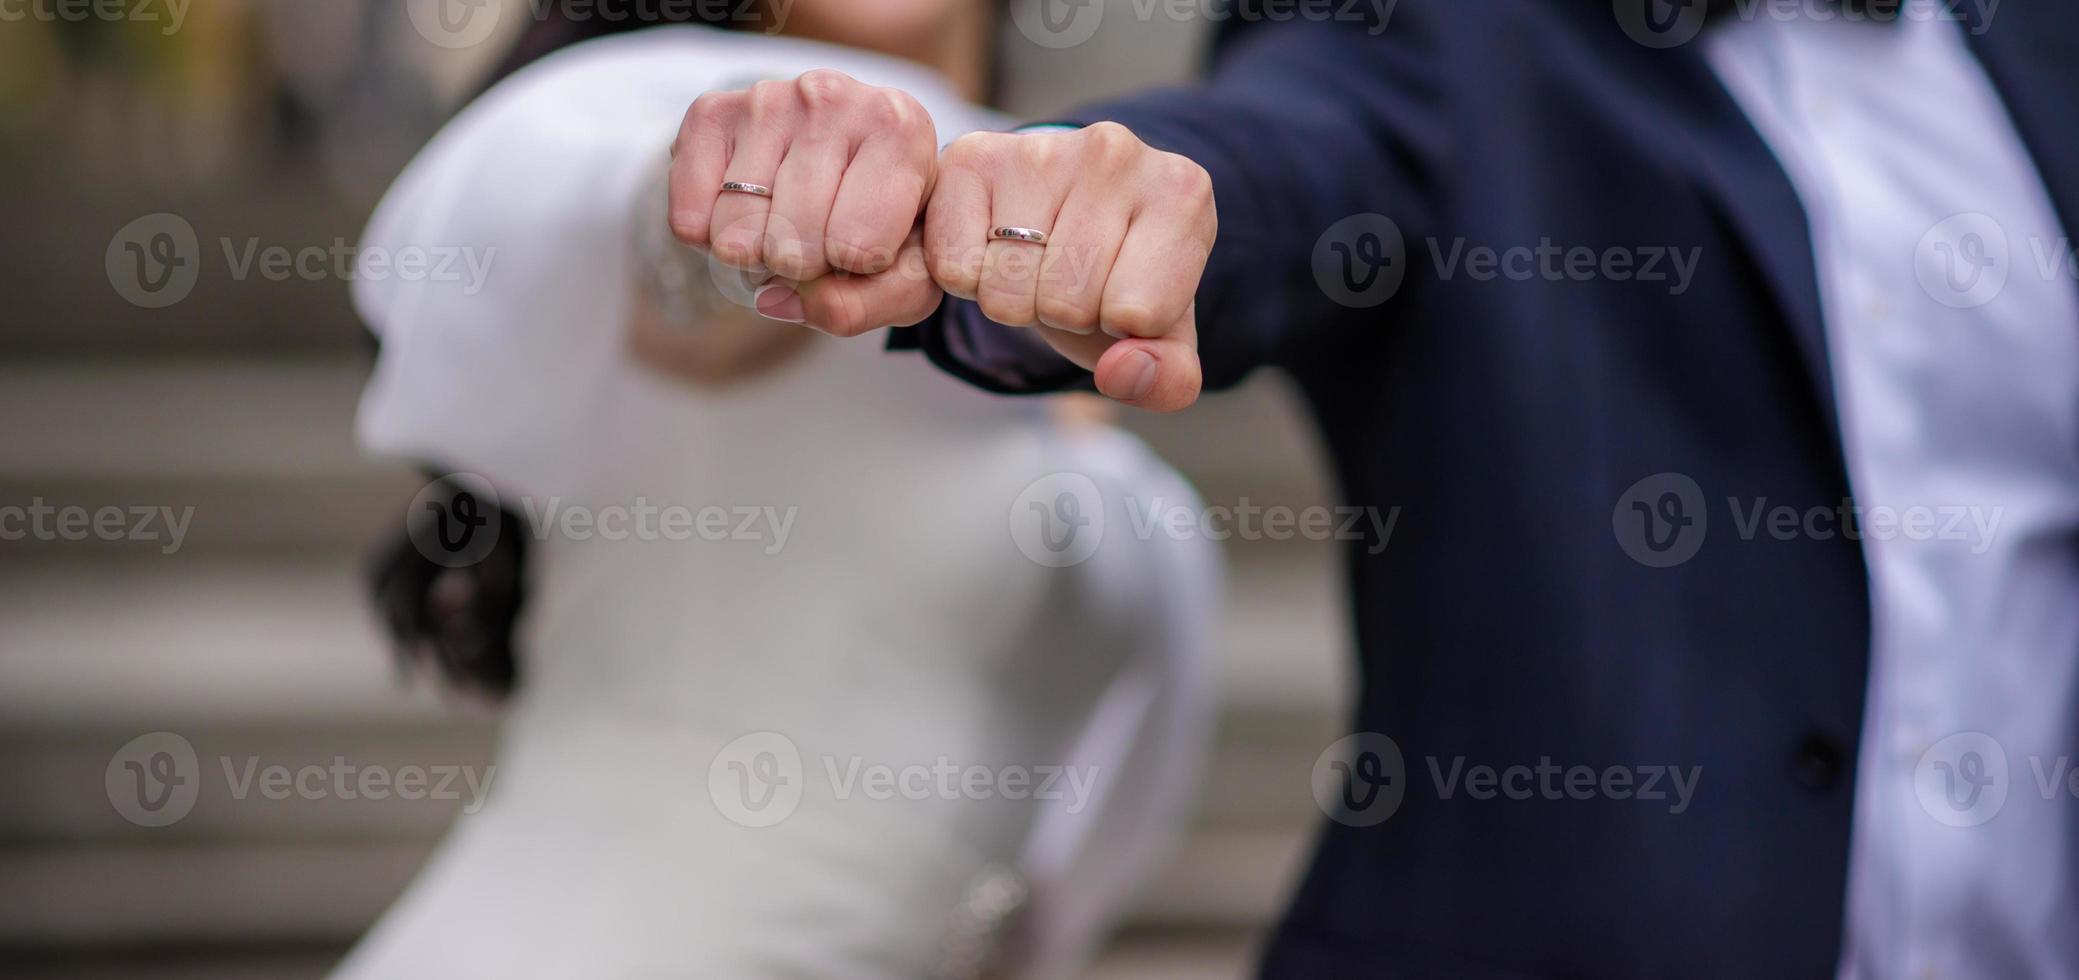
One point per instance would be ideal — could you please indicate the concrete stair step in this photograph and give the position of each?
(263, 449)
(250, 892)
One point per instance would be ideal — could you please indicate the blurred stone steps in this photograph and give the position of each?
(263, 448)
(233, 892)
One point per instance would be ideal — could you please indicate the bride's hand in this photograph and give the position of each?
(830, 176)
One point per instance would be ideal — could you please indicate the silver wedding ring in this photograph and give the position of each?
(746, 187)
(1014, 234)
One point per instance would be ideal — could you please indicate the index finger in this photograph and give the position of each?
(699, 157)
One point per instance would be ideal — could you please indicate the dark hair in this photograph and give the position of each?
(461, 620)
(458, 619)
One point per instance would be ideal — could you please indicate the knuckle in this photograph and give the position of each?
(1110, 141)
(793, 260)
(706, 121)
(1005, 306)
(897, 110)
(975, 152)
(689, 228)
(768, 103)
(954, 268)
(710, 109)
(885, 108)
(824, 88)
(854, 254)
(1134, 319)
(1067, 313)
(739, 250)
(1181, 178)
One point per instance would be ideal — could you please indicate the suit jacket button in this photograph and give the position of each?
(1821, 758)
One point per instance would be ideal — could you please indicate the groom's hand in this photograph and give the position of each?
(1128, 229)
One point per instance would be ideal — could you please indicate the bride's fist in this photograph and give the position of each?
(804, 177)
(1090, 235)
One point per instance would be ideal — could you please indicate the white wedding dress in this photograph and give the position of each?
(898, 629)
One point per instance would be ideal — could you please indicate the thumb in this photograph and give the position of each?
(1160, 374)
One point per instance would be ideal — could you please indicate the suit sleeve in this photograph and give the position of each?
(1301, 125)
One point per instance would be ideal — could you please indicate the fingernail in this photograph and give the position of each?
(780, 303)
(1140, 366)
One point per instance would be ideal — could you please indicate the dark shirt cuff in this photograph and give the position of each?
(962, 342)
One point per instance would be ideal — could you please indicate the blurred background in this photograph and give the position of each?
(279, 123)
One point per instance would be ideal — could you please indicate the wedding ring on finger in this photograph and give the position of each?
(1012, 233)
(746, 187)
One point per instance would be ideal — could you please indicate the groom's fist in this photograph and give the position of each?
(803, 177)
(1091, 236)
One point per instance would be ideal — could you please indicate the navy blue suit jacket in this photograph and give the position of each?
(1505, 623)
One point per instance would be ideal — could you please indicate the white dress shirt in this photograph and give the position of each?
(1952, 320)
